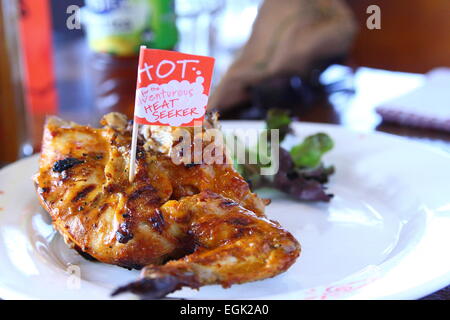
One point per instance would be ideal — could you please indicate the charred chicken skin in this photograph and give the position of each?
(184, 224)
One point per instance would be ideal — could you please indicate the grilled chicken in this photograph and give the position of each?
(187, 224)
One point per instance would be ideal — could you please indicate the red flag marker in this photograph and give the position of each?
(172, 90)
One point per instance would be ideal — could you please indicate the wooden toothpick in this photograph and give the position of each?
(134, 137)
(132, 167)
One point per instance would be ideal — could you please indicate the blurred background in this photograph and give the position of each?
(366, 65)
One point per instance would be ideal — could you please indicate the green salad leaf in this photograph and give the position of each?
(301, 172)
(309, 153)
(279, 119)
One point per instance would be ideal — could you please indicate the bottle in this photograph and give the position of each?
(115, 31)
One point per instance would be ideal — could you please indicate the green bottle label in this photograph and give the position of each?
(120, 27)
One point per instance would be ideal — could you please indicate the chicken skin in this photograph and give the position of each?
(187, 224)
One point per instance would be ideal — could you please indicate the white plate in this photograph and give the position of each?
(385, 235)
